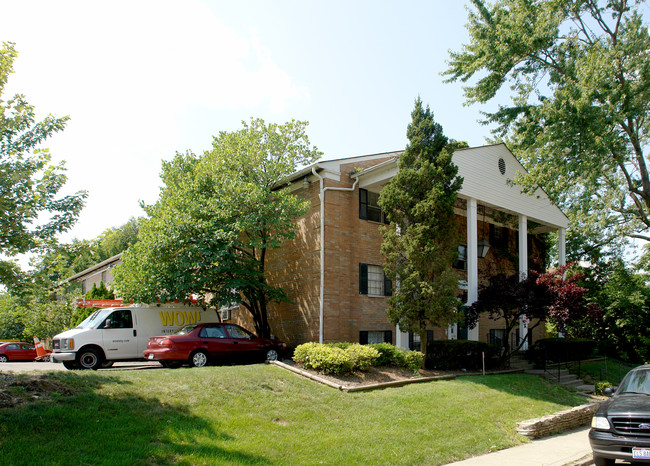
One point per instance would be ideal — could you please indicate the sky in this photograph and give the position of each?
(143, 80)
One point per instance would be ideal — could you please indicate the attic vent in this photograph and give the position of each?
(502, 166)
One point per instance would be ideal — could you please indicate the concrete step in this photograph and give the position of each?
(586, 388)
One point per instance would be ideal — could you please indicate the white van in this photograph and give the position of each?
(121, 334)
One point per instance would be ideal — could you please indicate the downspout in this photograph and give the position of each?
(321, 195)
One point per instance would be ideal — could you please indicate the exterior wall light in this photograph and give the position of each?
(482, 248)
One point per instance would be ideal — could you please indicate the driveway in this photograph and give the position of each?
(51, 366)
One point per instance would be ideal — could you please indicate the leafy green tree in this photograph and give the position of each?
(578, 120)
(100, 292)
(421, 243)
(217, 217)
(43, 316)
(10, 325)
(623, 296)
(32, 214)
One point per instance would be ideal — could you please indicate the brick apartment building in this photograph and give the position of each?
(332, 269)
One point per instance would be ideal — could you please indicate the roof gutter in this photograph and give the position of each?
(322, 243)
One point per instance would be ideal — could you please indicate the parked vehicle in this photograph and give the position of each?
(121, 334)
(17, 351)
(198, 345)
(620, 429)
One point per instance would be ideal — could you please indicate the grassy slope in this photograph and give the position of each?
(262, 415)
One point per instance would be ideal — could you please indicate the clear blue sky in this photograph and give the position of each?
(144, 79)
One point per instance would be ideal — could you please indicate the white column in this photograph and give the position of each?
(401, 338)
(472, 261)
(523, 272)
(561, 246)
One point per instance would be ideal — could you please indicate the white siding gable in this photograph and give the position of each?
(484, 182)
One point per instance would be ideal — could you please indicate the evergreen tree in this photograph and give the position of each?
(421, 243)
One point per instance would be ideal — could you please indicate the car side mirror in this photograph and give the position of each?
(609, 391)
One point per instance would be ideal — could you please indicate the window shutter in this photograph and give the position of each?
(363, 204)
(363, 337)
(411, 346)
(363, 278)
(388, 336)
(429, 335)
(388, 286)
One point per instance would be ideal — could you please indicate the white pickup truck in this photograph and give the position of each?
(121, 334)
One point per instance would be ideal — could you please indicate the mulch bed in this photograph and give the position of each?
(376, 375)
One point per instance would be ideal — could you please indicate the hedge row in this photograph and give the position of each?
(561, 350)
(461, 354)
(343, 358)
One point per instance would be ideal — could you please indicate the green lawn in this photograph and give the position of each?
(260, 414)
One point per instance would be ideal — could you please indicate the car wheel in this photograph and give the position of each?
(199, 359)
(89, 359)
(271, 355)
(70, 365)
(3, 358)
(600, 461)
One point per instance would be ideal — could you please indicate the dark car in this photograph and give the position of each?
(620, 429)
(17, 351)
(201, 344)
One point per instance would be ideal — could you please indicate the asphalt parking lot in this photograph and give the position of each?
(51, 366)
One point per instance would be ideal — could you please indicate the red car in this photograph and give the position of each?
(17, 351)
(201, 344)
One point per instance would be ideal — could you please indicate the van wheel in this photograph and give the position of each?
(70, 365)
(89, 359)
(199, 359)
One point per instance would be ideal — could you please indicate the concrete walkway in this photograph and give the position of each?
(570, 448)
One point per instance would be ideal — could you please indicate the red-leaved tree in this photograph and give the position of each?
(549, 297)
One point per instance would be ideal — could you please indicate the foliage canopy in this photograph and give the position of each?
(29, 184)
(579, 74)
(217, 216)
(421, 243)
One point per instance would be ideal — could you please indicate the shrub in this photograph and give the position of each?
(389, 355)
(413, 360)
(301, 353)
(329, 360)
(363, 356)
(341, 344)
(600, 386)
(460, 354)
(342, 358)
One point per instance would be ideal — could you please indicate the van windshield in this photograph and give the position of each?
(95, 318)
